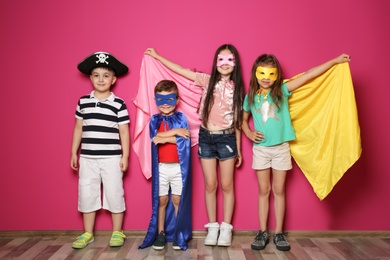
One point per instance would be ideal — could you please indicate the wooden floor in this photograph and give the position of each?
(304, 245)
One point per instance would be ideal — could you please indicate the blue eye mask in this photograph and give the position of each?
(169, 99)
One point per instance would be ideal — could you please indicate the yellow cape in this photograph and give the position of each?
(324, 116)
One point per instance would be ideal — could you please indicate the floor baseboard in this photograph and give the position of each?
(195, 233)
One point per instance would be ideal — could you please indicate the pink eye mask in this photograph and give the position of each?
(225, 59)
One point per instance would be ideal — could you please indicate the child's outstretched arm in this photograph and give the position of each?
(189, 74)
(316, 71)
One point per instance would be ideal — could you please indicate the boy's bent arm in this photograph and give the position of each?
(76, 140)
(163, 140)
(183, 132)
(124, 134)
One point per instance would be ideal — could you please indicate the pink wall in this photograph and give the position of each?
(42, 43)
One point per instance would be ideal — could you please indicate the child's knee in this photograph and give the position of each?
(227, 187)
(163, 200)
(176, 200)
(211, 186)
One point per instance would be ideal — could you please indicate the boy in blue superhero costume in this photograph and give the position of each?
(171, 174)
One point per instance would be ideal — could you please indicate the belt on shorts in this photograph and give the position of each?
(221, 132)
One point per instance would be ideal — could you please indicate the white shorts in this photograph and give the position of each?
(92, 174)
(277, 157)
(169, 176)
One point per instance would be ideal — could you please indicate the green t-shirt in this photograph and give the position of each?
(274, 123)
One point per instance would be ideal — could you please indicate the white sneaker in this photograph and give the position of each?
(225, 235)
(212, 234)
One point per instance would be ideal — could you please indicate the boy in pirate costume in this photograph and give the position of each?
(102, 130)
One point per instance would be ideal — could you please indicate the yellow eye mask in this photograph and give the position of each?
(266, 73)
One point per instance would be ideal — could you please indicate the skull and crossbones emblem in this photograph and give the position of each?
(102, 58)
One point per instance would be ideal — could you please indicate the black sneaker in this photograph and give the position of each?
(159, 243)
(175, 246)
(280, 242)
(260, 241)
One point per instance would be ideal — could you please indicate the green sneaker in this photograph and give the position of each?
(117, 238)
(83, 240)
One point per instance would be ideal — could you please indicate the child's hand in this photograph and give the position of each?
(151, 52)
(74, 162)
(124, 163)
(255, 136)
(158, 140)
(182, 132)
(343, 58)
(238, 160)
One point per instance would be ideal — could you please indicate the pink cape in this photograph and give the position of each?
(152, 71)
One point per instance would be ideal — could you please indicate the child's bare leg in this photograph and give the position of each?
(278, 187)
(117, 221)
(163, 201)
(176, 202)
(263, 178)
(211, 184)
(227, 184)
(89, 221)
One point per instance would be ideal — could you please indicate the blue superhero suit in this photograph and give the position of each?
(176, 228)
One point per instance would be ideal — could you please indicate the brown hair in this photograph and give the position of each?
(166, 85)
(276, 88)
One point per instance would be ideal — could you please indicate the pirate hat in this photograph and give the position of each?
(102, 59)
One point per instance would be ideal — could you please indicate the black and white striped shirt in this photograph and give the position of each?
(101, 120)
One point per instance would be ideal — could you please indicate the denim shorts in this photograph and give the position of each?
(221, 146)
